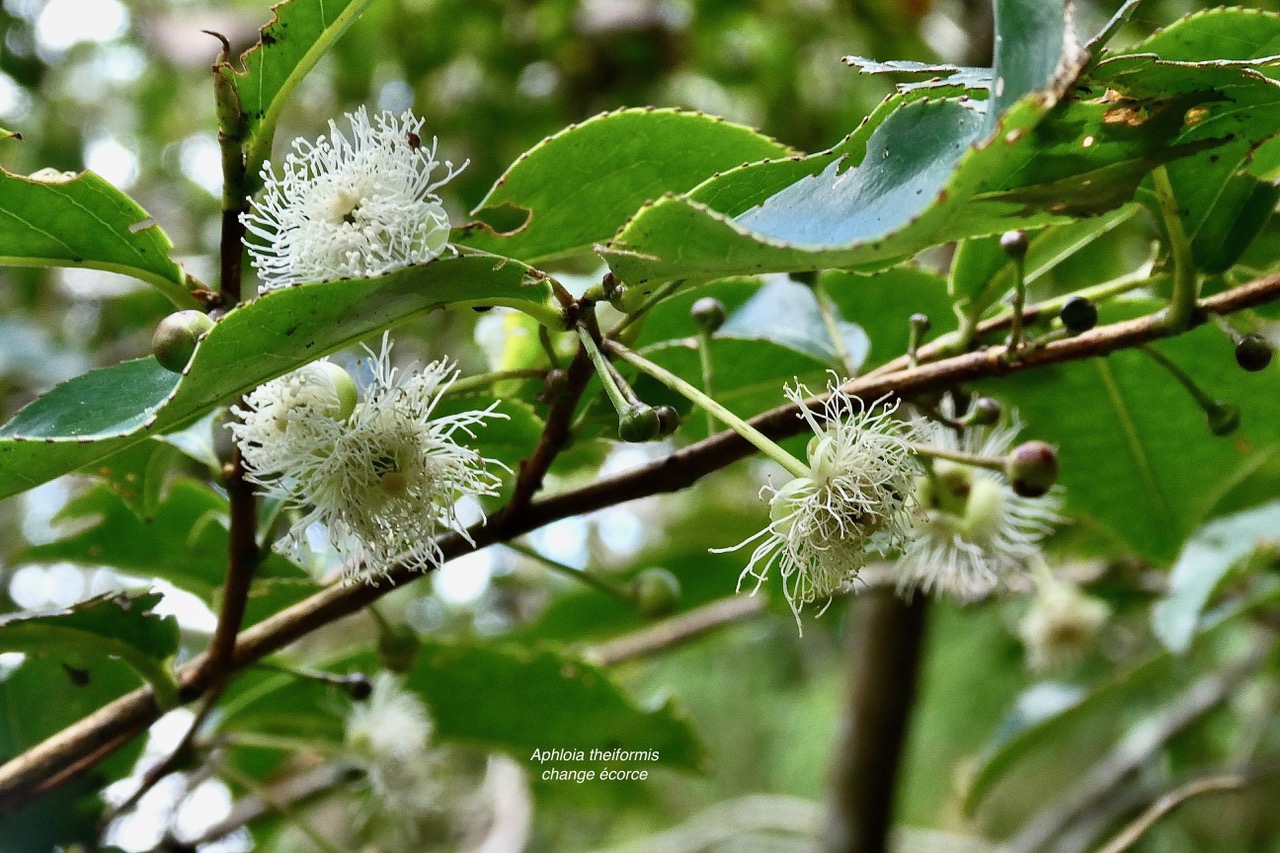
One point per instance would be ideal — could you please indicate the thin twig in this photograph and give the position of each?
(28, 774)
(678, 629)
(1129, 836)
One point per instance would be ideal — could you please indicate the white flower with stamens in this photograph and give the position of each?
(852, 503)
(973, 531)
(1061, 625)
(385, 481)
(350, 207)
(389, 736)
(291, 421)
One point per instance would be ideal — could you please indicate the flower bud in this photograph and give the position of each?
(920, 322)
(656, 593)
(343, 384)
(1253, 353)
(1078, 315)
(984, 411)
(708, 313)
(1032, 468)
(1223, 418)
(1014, 243)
(668, 419)
(639, 423)
(176, 338)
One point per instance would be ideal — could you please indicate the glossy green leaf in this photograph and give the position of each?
(882, 304)
(1036, 50)
(289, 46)
(106, 410)
(39, 698)
(184, 541)
(120, 625)
(920, 179)
(56, 219)
(1228, 53)
(578, 187)
(785, 312)
(1203, 563)
(1136, 453)
(520, 700)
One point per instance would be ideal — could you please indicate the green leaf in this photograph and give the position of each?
(39, 698)
(184, 541)
(1136, 453)
(882, 304)
(83, 221)
(578, 187)
(920, 179)
(1036, 50)
(106, 410)
(1227, 53)
(119, 625)
(982, 271)
(521, 700)
(289, 46)
(785, 312)
(1203, 563)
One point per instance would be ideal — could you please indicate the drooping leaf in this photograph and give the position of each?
(289, 46)
(184, 541)
(921, 178)
(106, 410)
(1036, 50)
(578, 187)
(56, 219)
(1203, 563)
(1135, 450)
(119, 625)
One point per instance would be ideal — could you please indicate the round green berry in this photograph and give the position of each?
(176, 337)
(656, 593)
(1223, 418)
(1014, 243)
(639, 423)
(668, 419)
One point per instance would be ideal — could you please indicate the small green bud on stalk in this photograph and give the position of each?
(639, 423)
(1078, 315)
(176, 337)
(985, 411)
(1253, 353)
(1014, 244)
(344, 385)
(1032, 468)
(709, 314)
(920, 322)
(656, 593)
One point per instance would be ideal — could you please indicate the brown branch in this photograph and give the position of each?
(132, 713)
(1129, 836)
(678, 629)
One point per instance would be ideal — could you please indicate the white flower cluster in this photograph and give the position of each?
(383, 475)
(974, 530)
(959, 529)
(389, 736)
(855, 501)
(350, 207)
